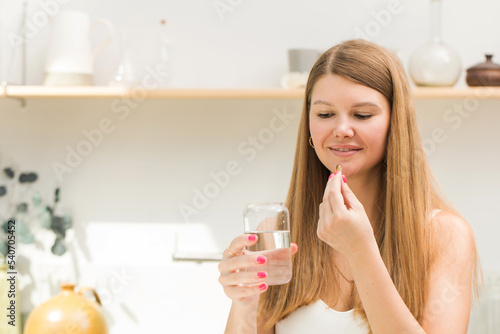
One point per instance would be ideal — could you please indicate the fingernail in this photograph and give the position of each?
(331, 175)
(261, 274)
(344, 179)
(261, 259)
(339, 168)
(252, 237)
(263, 286)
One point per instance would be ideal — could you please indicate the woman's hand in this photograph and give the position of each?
(241, 286)
(343, 223)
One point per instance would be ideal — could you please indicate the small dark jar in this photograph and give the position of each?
(484, 74)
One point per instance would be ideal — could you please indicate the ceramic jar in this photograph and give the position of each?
(68, 312)
(70, 57)
(484, 74)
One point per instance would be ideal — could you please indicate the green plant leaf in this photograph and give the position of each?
(22, 208)
(28, 177)
(45, 218)
(5, 226)
(36, 199)
(56, 195)
(68, 220)
(26, 238)
(9, 172)
(57, 225)
(58, 248)
(3, 248)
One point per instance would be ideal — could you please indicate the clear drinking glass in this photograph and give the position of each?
(271, 223)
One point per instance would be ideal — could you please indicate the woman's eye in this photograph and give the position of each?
(363, 116)
(324, 115)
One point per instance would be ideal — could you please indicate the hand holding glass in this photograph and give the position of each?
(270, 222)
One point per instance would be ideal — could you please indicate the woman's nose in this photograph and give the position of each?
(343, 129)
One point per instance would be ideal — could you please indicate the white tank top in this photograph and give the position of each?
(318, 318)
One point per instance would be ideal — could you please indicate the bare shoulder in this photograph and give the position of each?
(453, 238)
(448, 228)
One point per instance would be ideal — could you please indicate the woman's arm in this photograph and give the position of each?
(385, 309)
(344, 226)
(242, 319)
(449, 302)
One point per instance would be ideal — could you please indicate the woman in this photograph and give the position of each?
(379, 249)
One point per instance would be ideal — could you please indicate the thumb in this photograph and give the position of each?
(350, 200)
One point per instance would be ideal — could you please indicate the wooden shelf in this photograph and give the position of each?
(480, 93)
(27, 92)
(92, 92)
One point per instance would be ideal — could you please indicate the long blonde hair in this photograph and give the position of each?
(408, 192)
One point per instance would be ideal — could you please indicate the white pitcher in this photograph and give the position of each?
(70, 60)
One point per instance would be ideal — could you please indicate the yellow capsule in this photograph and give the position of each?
(339, 168)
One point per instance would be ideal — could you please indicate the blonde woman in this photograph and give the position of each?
(377, 248)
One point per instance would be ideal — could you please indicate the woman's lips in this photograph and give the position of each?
(344, 151)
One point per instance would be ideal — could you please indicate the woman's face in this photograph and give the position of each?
(349, 124)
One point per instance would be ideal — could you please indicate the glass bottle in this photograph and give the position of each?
(162, 66)
(435, 63)
(2, 54)
(124, 75)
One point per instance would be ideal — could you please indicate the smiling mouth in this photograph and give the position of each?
(345, 149)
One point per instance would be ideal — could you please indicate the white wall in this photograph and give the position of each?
(153, 159)
(246, 46)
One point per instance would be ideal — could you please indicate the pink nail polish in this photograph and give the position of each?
(344, 179)
(261, 274)
(252, 237)
(261, 259)
(263, 286)
(331, 175)
(336, 173)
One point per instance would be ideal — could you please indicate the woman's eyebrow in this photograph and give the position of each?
(365, 104)
(323, 102)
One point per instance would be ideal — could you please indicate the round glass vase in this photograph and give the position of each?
(435, 63)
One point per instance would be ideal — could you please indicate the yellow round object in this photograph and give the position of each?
(68, 312)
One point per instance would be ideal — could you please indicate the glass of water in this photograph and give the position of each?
(270, 222)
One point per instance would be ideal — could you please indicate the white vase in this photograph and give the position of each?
(435, 63)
